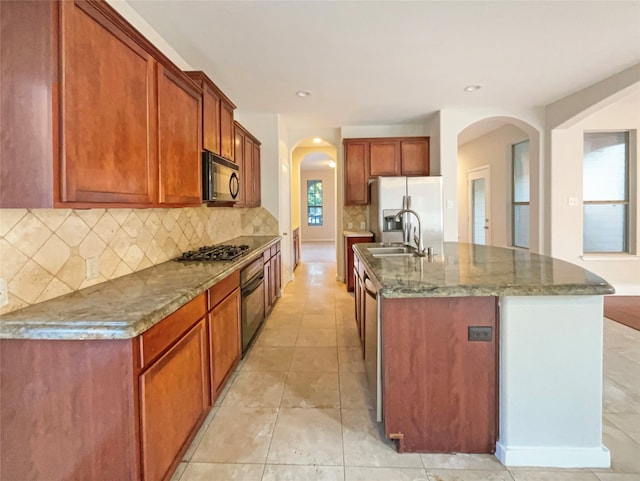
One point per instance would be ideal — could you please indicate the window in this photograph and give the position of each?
(314, 202)
(606, 192)
(520, 194)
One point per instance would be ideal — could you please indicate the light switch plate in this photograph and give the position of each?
(4, 293)
(572, 201)
(350, 225)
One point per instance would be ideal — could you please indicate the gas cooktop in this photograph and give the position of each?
(220, 252)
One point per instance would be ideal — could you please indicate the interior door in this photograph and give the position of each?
(479, 181)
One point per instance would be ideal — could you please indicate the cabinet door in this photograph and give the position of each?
(277, 276)
(108, 131)
(384, 157)
(356, 177)
(224, 329)
(415, 157)
(249, 191)
(255, 171)
(210, 119)
(174, 396)
(239, 158)
(179, 140)
(267, 286)
(226, 130)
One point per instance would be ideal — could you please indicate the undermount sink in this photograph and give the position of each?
(391, 251)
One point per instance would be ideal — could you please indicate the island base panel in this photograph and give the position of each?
(439, 387)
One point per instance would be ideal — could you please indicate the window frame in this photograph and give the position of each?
(515, 203)
(626, 202)
(311, 182)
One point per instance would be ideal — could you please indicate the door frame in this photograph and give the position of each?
(482, 172)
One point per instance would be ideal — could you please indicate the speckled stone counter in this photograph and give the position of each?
(476, 270)
(127, 306)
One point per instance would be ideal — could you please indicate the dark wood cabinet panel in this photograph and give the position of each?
(433, 373)
(174, 397)
(272, 276)
(107, 111)
(226, 347)
(384, 157)
(226, 130)
(247, 149)
(296, 247)
(81, 94)
(179, 143)
(348, 257)
(415, 156)
(210, 119)
(257, 179)
(68, 409)
(356, 175)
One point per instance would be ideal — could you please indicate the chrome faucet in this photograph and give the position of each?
(417, 239)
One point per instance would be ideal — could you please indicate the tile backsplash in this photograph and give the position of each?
(354, 214)
(43, 252)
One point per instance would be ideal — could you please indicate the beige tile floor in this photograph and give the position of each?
(298, 407)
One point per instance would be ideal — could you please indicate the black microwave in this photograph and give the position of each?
(220, 179)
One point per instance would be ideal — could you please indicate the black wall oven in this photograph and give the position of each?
(252, 295)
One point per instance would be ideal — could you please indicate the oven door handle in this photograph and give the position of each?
(253, 285)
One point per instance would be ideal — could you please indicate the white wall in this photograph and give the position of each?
(566, 146)
(493, 150)
(327, 231)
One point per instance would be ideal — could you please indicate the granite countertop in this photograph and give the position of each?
(357, 233)
(127, 306)
(475, 270)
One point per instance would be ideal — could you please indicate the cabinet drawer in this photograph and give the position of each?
(222, 289)
(274, 251)
(266, 255)
(157, 339)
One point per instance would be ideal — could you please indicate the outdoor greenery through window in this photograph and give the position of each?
(606, 192)
(520, 197)
(314, 202)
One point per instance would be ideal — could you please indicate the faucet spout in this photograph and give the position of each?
(419, 243)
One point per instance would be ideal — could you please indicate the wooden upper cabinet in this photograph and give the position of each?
(257, 188)
(239, 137)
(179, 114)
(415, 156)
(210, 119)
(356, 176)
(82, 91)
(227, 139)
(107, 110)
(247, 156)
(217, 117)
(384, 157)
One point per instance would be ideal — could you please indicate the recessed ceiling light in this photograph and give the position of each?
(317, 140)
(303, 93)
(332, 164)
(472, 88)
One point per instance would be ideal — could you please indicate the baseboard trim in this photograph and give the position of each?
(560, 457)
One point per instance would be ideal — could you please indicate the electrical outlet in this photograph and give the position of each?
(4, 293)
(363, 225)
(350, 225)
(93, 267)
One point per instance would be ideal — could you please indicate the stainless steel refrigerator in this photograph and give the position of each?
(389, 195)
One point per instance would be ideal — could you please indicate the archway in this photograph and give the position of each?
(484, 174)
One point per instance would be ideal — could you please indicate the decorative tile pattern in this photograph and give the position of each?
(43, 252)
(354, 214)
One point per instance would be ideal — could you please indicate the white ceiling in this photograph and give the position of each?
(315, 161)
(374, 62)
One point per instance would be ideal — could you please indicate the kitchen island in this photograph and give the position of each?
(113, 381)
(487, 349)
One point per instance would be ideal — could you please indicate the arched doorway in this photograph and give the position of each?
(498, 183)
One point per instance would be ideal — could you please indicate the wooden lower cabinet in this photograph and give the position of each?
(296, 247)
(348, 257)
(272, 276)
(121, 409)
(439, 387)
(174, 399)
(225, 338)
